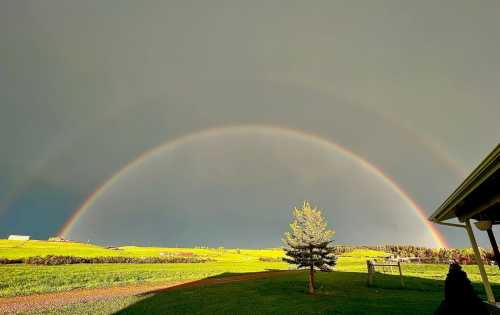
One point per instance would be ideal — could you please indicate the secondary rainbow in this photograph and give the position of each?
(169, 145)
(435, 147)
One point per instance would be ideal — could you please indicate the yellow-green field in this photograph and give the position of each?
(424, 281)
(22, 249)
(20, 279)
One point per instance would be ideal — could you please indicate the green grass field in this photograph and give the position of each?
(20, 249)
(22, 279)
(338, 293)
(341, 292)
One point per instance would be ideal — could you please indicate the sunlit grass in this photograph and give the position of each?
(27, 279)
(340, 292)
(424, 281)
(21, 249)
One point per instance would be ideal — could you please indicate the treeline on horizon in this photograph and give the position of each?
(420, 253)
(424, 254)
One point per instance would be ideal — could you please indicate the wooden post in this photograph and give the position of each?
(401, 275)
(484, 277)
(494, 246)
(370, 267)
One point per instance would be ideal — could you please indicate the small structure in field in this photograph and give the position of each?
(57, 239)
(371, 264)
(19, 237)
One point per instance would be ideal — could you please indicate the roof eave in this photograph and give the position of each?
(483, 171)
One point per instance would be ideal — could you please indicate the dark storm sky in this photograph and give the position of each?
(86, 87)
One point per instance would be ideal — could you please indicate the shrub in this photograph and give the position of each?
(5, 261)
(67, 260)
(271, 259)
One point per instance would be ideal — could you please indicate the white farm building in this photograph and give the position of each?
(19, 237)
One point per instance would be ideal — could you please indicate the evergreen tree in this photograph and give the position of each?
(309, 242)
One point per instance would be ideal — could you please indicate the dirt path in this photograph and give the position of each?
(52, 300)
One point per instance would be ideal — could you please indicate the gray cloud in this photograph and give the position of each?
(85, 87)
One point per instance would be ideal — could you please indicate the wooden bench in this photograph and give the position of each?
(371, 265)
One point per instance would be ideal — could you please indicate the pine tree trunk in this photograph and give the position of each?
(311, 274)
(311, 280)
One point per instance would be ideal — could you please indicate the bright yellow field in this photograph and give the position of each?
(21, 279)
(22, 249)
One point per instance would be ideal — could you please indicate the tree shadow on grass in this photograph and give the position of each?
(225, 277)
(234, 274)
(338, 293)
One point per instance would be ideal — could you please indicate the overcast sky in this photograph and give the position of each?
(86, 87)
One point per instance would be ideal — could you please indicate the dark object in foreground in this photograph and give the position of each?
(459, 295)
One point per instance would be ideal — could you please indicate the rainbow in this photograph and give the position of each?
(169, 145)
(436, 148)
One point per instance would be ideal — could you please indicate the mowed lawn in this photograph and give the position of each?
(338, 293)
(20, 279)
(25, 279)
(341, 292)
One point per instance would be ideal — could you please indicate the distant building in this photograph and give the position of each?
(19, 237)
(56, 239)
